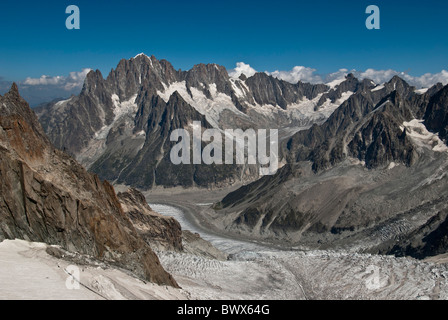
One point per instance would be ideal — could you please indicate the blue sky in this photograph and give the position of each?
(268, 35)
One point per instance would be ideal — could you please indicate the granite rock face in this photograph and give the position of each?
(160, 232)
(164, 233)
(266, 90)
(436, 115)
(46, 196)
(195, 245)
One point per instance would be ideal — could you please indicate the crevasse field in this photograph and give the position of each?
(253, 271)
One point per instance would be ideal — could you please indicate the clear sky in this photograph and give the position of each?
(268, 35)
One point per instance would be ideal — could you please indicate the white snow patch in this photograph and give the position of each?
(392, 165)
(345, 96)
(141, 54)
(421, 91)
(245, 85)
(210, 108)
(121, 109)
(377, 88)
(213, 90)
(333, 84)
(125, 107)
(357, 162)
(173, 87)
(304, 110)
(238, 92)
(328, 107)
(60, 103)
(417, 131)
(382, 105)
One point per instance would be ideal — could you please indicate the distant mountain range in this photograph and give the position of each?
(119, 127)
(362, 165)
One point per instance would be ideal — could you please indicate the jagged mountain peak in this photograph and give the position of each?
(202, 76)
(208, 67)
(92, 79)
(398, 79)
(14, 95)
(350, 76)
(14, 91)
(143, 56)
(397, 83)
(15, 108)
(338, 88)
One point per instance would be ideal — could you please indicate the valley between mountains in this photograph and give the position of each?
(356, 210)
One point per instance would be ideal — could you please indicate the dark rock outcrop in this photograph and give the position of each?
(194, 244)
(158, 231)
(436, 116)
(363, 127)
(430, 239)
(46, 196)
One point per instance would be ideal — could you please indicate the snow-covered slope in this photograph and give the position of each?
(28, 272)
